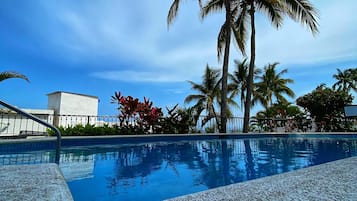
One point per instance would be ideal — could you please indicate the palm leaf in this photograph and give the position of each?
(302, 11)
(273, 9)
(212, 6)
(221, 41)
(7, 75)
(172, 14)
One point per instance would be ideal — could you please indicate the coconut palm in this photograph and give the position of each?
(299, 10)
(7, 75)
(238, 79)
(272, 85)
(230, 8)
(346, 80)
(207, 95)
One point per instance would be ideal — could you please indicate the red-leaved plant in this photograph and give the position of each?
(140, 116)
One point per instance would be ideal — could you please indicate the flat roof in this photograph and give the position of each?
(56, 92)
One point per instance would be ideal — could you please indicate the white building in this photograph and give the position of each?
(67, 103)
(64, 109)
(72, 108)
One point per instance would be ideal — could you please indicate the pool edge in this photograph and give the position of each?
(33, 182)
(329, 181)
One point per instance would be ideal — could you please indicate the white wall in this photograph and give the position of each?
(64, 103)
(78, 105)
(54, 102)
(59, 103)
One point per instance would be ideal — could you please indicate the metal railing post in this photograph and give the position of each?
(40, 121)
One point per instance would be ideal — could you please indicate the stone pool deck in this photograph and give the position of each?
(33, 182)
(330, 181)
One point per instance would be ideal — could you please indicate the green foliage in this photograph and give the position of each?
(272, 85)
(7, 75)
(87, 130)
(281, 114)
(178, 121)
(210, 129)
(346, 80)
(208, 93)
(326, 106)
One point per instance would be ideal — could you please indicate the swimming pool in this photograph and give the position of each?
(161, 168)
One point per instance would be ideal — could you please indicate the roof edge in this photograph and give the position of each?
(91, 96)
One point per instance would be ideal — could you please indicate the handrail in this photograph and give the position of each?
(40, 121)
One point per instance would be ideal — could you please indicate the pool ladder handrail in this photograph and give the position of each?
(40, 121)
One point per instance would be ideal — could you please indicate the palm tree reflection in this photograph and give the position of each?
(221, 162)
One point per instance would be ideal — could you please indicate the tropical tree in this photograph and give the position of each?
(231, 8)
(346, 80)
(299, 10)
(238, 84)
(208, 92)
(281, 113)
(326, 106)
(271, 85)
(7, 75)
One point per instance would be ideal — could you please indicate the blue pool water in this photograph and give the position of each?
(160, 170)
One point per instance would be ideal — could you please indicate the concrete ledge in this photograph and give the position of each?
(33, 182)
(330, 181)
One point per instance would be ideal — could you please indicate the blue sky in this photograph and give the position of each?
(102, 46)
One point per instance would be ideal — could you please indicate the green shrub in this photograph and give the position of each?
(87, 130)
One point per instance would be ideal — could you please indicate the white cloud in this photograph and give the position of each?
(136, 33)
(138, 76)
(294, 44)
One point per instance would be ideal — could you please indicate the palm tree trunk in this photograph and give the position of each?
(223, 127)
(248, 101)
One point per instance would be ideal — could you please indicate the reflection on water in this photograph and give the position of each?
(157, 171)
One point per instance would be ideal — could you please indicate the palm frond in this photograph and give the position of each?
(212, 6)
(240, 30)
(273, 9)
(304, 12)
(7, 75)
(197, 87)
(221, 41)
(194, 97)
(173, 12)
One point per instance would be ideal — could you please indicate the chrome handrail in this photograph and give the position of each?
(40, 121)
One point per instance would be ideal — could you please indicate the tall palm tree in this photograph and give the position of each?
(239, 79)
(7, 75)
(272, 85)
(299, 10)
(346, 80)
(207, 95)
(231, 8)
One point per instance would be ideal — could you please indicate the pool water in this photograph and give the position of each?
(162, 170)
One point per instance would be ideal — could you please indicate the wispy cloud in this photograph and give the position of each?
(138, 76)
(102, 34)
(293, 44)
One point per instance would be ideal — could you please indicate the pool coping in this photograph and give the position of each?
(329, 181)
(250, 134)
(33, 182)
